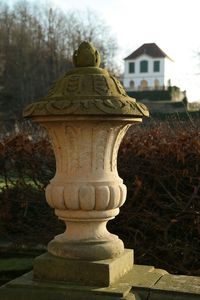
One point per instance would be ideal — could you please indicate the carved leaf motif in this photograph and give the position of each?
(91, 106)
(115, 103)
(143, 109)
(100, 85)
(121, 132)
(61, 104)
(101, 138)
(86, 103)
(110, 103)
(85, 144)
(108, 106)
(62, 107)
(56, 147)
(73, 84)
(29, 110)
(73, 159)
(119, 86)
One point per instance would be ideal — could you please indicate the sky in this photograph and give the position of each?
(173, 25)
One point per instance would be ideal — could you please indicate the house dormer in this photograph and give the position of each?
(148, 68)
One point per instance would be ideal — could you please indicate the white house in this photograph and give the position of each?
(148, 68)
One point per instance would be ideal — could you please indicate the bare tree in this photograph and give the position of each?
(36, 47)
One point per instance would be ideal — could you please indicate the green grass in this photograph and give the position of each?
(15, 264)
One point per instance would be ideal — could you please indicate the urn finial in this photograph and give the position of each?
(86, 56)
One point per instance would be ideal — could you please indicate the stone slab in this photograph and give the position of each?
(141, 283)
(144, 276)
(25, 288)
(142, 279)
(161, 295)
(176, 283)
(155, 284)
(96, 273)
(176, 287)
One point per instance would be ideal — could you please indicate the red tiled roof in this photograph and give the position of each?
(150, 49)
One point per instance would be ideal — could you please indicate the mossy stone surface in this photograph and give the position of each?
(141, 283)
(25, 287)
(176, 287)
(87, 89)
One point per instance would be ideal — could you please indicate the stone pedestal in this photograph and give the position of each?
(102, 273)
(86, 114)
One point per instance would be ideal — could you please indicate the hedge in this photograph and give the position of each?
(160, 164)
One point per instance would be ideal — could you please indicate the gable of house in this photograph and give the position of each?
(150, 49)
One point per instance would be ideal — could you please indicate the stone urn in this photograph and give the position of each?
(86, 113)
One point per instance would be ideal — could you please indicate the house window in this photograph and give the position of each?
(143, 66)
(132, 67)
(156, 66)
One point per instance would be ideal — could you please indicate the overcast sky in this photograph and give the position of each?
(174, 25)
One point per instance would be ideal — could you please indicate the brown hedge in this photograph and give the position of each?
(160, 164)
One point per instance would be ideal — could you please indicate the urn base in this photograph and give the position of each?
(91, 250)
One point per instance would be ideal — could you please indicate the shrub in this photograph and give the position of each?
(160, 164)
(26, 166)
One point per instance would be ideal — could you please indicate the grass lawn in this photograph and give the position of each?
(10, 268)
(15, 264)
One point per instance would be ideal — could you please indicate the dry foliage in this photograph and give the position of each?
(26, 166)
(160, 164)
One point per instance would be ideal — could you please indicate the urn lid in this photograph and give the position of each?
(87, 90)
